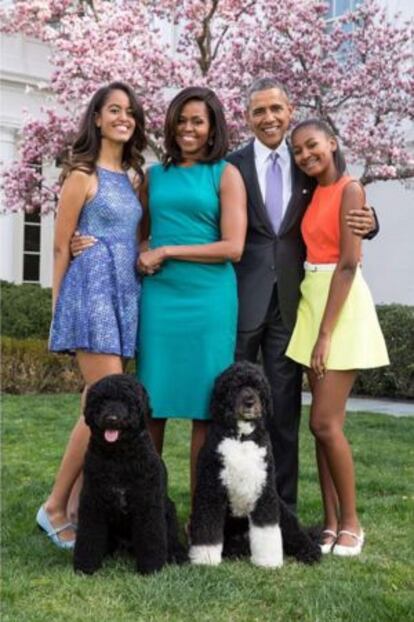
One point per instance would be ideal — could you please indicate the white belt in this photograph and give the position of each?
(319, 267)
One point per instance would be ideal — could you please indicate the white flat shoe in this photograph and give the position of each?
(349, 551)
(327, 546)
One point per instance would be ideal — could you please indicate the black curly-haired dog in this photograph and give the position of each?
(124, 495)
(236, 481)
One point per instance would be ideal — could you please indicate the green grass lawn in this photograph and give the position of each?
(39, 583)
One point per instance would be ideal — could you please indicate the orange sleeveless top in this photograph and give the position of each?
(321, 223)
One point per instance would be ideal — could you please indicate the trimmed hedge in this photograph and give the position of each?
(28, 367)
(397, 380)
(26, 310)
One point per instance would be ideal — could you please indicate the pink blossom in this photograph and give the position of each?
(356, 73)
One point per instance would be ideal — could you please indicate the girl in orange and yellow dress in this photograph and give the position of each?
(337, 330)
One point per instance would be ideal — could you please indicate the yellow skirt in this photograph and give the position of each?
(357, 340)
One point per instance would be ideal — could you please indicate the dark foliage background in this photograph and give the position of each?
(29, 368)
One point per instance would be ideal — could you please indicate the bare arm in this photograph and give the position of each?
(343, 276)
(75, 191)
(233, 224)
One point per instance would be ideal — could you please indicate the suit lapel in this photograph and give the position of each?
(248, 170)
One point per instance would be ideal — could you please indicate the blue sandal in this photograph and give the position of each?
(44, 523)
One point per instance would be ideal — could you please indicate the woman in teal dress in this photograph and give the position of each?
(196, 211)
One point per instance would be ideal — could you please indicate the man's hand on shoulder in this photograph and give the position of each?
(362, 221)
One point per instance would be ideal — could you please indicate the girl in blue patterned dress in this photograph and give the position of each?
(96, 296)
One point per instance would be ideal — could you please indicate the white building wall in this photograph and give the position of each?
(388, 260)
(405, 7)
(11, 226)
(24, 67)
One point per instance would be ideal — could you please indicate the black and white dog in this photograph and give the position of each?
(236, 478)
(124, 496)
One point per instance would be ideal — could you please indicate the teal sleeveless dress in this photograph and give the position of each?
(188, 314)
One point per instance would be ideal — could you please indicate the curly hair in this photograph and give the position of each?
(118, 387)
(230, 382)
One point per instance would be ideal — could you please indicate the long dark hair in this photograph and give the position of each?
(218, 142)
(85, 149)
(319, 124)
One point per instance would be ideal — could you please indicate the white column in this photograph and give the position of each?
(46, 250)
(11, 225)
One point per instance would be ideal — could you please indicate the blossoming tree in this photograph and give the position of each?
(356, 71)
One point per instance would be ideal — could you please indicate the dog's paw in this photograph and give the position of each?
(266, 546)
(206, 554)
(309, 554)
(314, 532)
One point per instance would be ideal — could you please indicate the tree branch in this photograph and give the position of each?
(369, 178)
(204, 40)
(225, 29)
(91, 5)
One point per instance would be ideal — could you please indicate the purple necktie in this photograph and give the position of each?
(274, 192)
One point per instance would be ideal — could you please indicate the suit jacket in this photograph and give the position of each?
(268, 257)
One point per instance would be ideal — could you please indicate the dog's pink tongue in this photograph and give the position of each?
(111, 435)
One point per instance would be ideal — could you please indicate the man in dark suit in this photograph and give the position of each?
(271, 269)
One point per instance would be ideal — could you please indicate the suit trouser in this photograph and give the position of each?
(285, 377)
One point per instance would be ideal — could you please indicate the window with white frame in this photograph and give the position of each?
(339, 7)
(31, 248)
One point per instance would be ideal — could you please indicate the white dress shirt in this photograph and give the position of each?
(262, 155)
